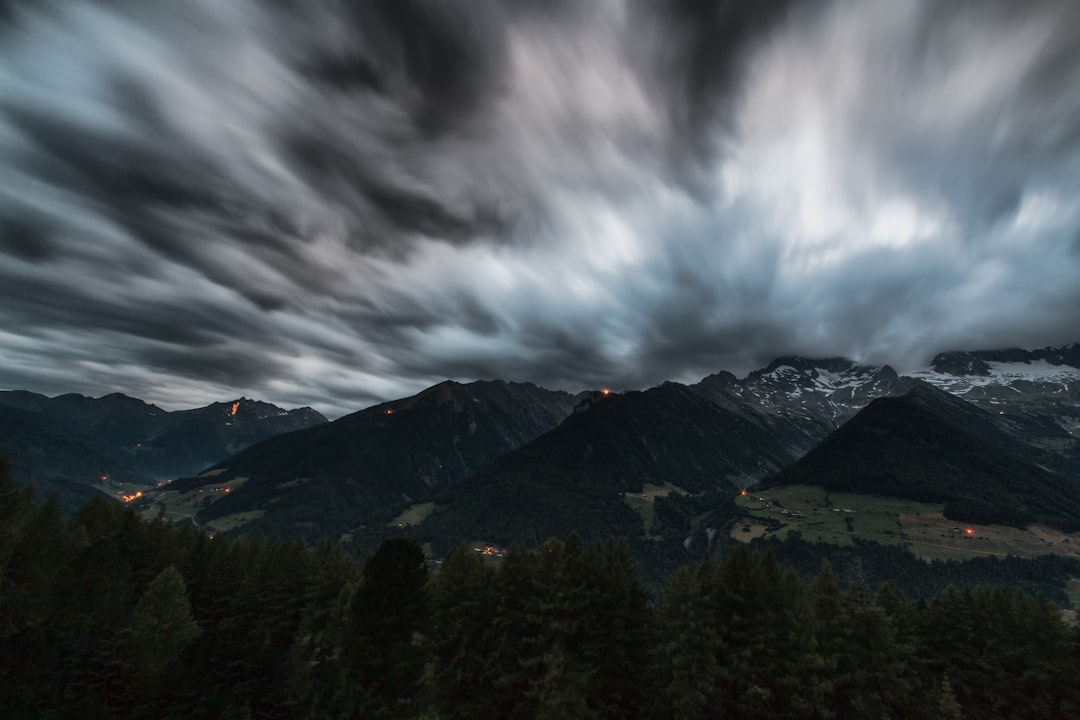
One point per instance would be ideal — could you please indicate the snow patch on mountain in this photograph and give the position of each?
(1004, 374)
(832, 381)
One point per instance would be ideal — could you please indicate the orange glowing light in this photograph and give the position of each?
(390, 411)
(969, 531)
(743, 492)
(235, 407)
(606, 391)
(228, 489)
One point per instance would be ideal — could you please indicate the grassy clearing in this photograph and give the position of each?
(642, 502)
(228, 522)
(745, 532)
(823, 517)
(838, 518)
(413, 515)
(933, 537)
(183, 505)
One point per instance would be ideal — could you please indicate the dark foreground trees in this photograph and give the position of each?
(107, 616)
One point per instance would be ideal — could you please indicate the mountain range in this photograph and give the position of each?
(511, 461)
(365, 467)
(71, 443)
(517, 462)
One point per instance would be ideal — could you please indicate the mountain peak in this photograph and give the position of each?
(930, 446)
(959, 363)
(798, 362)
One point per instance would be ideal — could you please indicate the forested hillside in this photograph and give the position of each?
(932, 447)
(104, 615)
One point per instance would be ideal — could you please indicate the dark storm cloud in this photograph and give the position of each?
(134, 183)
(27, 237)
(160, 320)
(335, 202)
(696, 55)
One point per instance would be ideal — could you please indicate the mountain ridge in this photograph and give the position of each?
(128, 440)
(722, 432)
(362, 468)
(930, 446)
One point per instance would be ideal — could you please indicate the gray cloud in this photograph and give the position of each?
(334, 203)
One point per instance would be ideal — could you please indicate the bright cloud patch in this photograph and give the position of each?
(333, 203)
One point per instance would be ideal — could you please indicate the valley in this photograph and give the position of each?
(817, 515)
(183, 504)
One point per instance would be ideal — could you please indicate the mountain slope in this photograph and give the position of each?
(363, 468)
(53, 462)
(805, 399)
(574, 477)
(76, 439)
(1036, 391)
(721, 432)
(191, 440)
(930, 446)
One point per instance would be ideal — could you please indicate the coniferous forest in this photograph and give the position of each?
(104, 615)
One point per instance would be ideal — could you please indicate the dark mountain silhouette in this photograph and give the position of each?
(53, 462)
(574, 477)
(365, 467)
(721, 433)
(930, 446)
(522, 458)
(71, 440)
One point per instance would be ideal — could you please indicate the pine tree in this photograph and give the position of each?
(463, 605)
(518, 632)
(387, 614)
(614, 630)
(947, 706)
(161, 625)
(830, 630)
(15, 507)
(687, 655)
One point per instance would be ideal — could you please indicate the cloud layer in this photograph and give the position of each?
(333, 203)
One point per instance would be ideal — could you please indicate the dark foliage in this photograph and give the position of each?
(104, 615)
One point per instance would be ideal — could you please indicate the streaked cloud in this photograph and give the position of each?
(333, 203)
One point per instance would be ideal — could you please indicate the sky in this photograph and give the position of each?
(336, 202)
